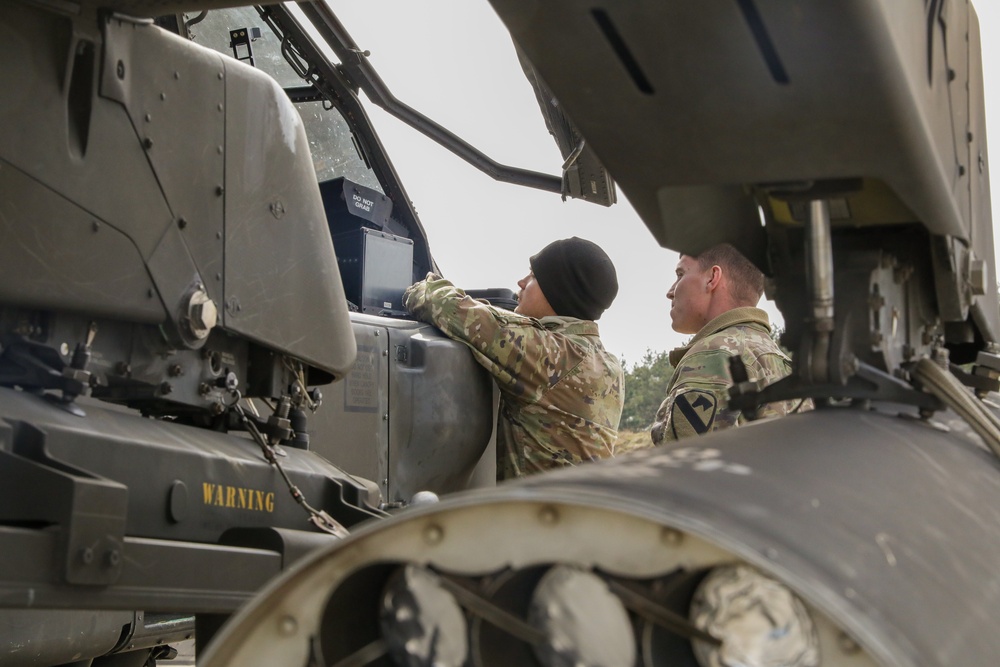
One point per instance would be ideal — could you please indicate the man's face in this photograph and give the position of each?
(530, 300)
(689, 297)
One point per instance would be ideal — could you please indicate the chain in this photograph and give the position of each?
(318, 518)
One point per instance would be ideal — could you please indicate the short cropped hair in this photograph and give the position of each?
(746, 282)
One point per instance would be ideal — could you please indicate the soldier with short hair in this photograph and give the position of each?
(561, 391)
(715, 297)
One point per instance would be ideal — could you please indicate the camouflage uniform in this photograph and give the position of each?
(699, 389)
(561, 392)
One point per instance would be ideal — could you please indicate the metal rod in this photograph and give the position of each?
(820, 249)
(355, 62)
(821, 260)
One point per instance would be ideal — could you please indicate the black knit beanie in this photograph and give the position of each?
(576, 277)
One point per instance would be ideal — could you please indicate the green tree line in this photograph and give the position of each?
(645, 388)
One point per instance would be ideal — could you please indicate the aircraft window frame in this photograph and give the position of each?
(332, 142)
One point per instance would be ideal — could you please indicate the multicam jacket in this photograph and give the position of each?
(561, 392)
(698, 392)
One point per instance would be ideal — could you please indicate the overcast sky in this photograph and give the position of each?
(453, 60)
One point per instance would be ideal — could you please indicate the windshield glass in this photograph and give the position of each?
(330, 138)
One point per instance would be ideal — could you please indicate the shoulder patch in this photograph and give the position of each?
(694, 410)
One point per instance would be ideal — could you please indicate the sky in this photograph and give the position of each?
(454, 61)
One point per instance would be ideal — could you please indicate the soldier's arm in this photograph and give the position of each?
(505, 343)
(696, 403)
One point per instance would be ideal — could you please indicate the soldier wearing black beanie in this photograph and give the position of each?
(561, 391)
(577, 277)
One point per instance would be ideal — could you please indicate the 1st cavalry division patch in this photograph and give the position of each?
(693, 411)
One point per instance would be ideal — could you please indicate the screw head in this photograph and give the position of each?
(287, 626)
(205, 315)
(433, 534)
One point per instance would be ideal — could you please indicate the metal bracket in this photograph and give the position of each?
(867, 383)
(89, 511)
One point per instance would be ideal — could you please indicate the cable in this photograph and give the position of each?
(319, 518)
(955, 395)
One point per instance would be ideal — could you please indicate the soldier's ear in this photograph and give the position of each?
(714, 278)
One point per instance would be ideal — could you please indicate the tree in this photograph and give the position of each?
(645, 388)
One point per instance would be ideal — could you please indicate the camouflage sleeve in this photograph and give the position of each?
(510, 346)
(697, 400)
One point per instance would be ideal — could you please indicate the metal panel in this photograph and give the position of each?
(169, 84)
(352, 427)
(156, 574)
(682, 94)
(183, 483)
(416, 413)
(443, 414)
(54, 256)
(275, 222)
(26, 635)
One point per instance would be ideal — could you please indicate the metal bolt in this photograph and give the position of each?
(123, 368)
(95, 226)
(147, 143)
(433, 534)
(978, 277)
(182, 223)
(548, 515)
(671, 537)
(86, 555)
(175, 370)
(876, 338)
(149, 117)
(177, 75)
(204, 316)
(219, 191)
(846, 644)
(940, 355)
(113, 558)
(287, 626)
(229, 382)
(204, 389)
(166, 388)
(278, 209)
(121, 70)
